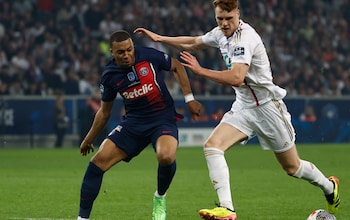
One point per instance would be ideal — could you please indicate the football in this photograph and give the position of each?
(321, 214)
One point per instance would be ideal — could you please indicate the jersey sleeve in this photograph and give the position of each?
(107, 92)
(160, 58)
(243, 50)
(211, 37)
(242, 53)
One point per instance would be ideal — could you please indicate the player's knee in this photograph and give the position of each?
(101, 162)
(165, 159)
(291, 169)
(211, 142)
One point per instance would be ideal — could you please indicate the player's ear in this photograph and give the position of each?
(110, 50)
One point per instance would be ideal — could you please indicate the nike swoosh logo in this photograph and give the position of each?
(119, 83)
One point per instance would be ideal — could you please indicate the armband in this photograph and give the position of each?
(189, 97)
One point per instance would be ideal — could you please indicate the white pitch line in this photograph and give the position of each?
(20, 218)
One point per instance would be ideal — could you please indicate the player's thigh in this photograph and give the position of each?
(107, 155)
(164, 139)
(272, 124)
(166, 146)
(224, 136)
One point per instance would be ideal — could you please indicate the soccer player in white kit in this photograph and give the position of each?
(258, 109)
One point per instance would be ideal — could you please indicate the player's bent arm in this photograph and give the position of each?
(232, 77)
(100, 121)
(181, 76)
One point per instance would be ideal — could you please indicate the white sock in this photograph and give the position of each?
(80, 218)
(308, 171)
(219, 175)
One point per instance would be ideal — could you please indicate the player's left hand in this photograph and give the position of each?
(195, 108)
(190, 62)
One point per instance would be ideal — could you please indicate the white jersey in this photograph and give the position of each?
(246, 46)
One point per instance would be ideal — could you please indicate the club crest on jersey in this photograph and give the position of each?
(238, 51)
(131, 76)
(102, 88)
(143, 71)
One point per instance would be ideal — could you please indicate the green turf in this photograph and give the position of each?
(45, 184)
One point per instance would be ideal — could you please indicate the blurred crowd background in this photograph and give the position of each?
(50, 47)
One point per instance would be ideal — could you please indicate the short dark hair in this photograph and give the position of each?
(118, 36)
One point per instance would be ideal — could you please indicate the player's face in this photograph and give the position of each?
(124, 53)
(227, 20)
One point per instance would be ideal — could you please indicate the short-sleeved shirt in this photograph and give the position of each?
(258, 109)
(246, 46)
(141, 86)
(150, 111)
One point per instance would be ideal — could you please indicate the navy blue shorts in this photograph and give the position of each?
(134, 136)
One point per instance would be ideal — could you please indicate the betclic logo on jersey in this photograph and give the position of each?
(137, 92)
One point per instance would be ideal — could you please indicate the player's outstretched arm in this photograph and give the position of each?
(191, 43)
(181, 76)
(151, 35)
(100, 121)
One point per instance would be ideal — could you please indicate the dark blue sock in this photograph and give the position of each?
(89, 189)
(165, 176)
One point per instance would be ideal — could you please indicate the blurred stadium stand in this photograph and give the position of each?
(49, 47)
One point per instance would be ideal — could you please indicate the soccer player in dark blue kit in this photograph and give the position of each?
(136, 73)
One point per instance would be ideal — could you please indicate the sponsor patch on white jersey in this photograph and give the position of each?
(238, 51)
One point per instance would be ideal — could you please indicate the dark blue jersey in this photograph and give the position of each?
(141, 86)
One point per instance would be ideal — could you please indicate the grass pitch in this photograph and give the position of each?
(45, 183)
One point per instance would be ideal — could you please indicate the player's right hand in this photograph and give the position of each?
(190, 62)
(195, 108)
(85, 148)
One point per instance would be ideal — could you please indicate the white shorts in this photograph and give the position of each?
(270, 122)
